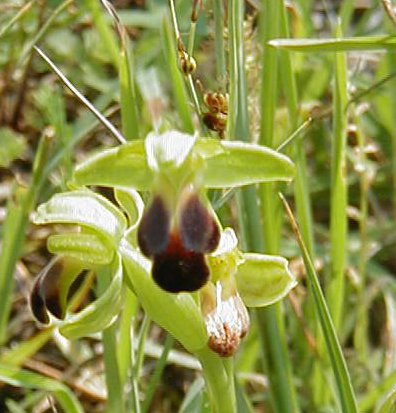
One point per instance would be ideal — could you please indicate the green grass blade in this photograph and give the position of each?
(107, 36)
(4, 30)
(379, 391)
(20, 353)
(178, 86)
(115, 393)
(346, 44)
(338, 202)
(29, 380)
(156, 376)
(19, 206)
(129, 113)
(271, 323)
(343, 381)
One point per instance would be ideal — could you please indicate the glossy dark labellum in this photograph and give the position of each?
(178, 269)
(178, 253)
(153, 232)
(199, 231)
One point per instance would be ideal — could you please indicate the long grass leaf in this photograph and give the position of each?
(338, 363)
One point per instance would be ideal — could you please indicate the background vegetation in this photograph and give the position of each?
(333, 113)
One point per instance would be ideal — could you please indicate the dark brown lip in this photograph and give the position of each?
(178, 253)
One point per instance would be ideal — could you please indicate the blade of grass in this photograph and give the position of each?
(179, 89)
(338, 201)
(4, 30)
(105, 33)
(218, 11)
(338, 363)
(27, 50)
(304, 211)
(156, 376)
(115, 394)
(129, 115)
(29, 380)
(19, 206)
(346, 44)
(379, 391)
(270, 319)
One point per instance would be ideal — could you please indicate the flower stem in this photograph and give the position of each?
(219, 377)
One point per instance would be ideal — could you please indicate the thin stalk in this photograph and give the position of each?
(303, 205)
(144, 329)
(271, 323)
(218, 11)
(338, 202)
(360, 337)
(219, 379)
(333, 347)
(81, 97)
(115, 396)
(18, 16)
(107, 36)
(125, 350)
(190, 81)
(27, 51)
(392, 65)
(155, 378)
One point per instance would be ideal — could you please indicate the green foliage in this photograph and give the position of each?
(272, 75)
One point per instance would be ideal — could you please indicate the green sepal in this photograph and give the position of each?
(263, 279)
(131, 202)
(84, 208)
(223, 163)
(99, 314)
(239, 163)
(88, 248)
(123, 166)
(179, 314)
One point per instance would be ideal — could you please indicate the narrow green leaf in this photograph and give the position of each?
(338, 363)
(26, 379)
(374, 43)
(194, 401)
(389, 405)
(129, 114)
(179, 89)
(84, 208)
(264, 279)
(99, 314)
(26, 349)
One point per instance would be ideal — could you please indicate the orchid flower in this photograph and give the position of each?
(185, 269)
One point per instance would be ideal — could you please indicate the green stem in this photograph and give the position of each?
(338, 204)
(219, 379)
(218, 12)
(271, 323)
(115, 397)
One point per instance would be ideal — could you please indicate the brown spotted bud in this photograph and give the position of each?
(226, 319)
